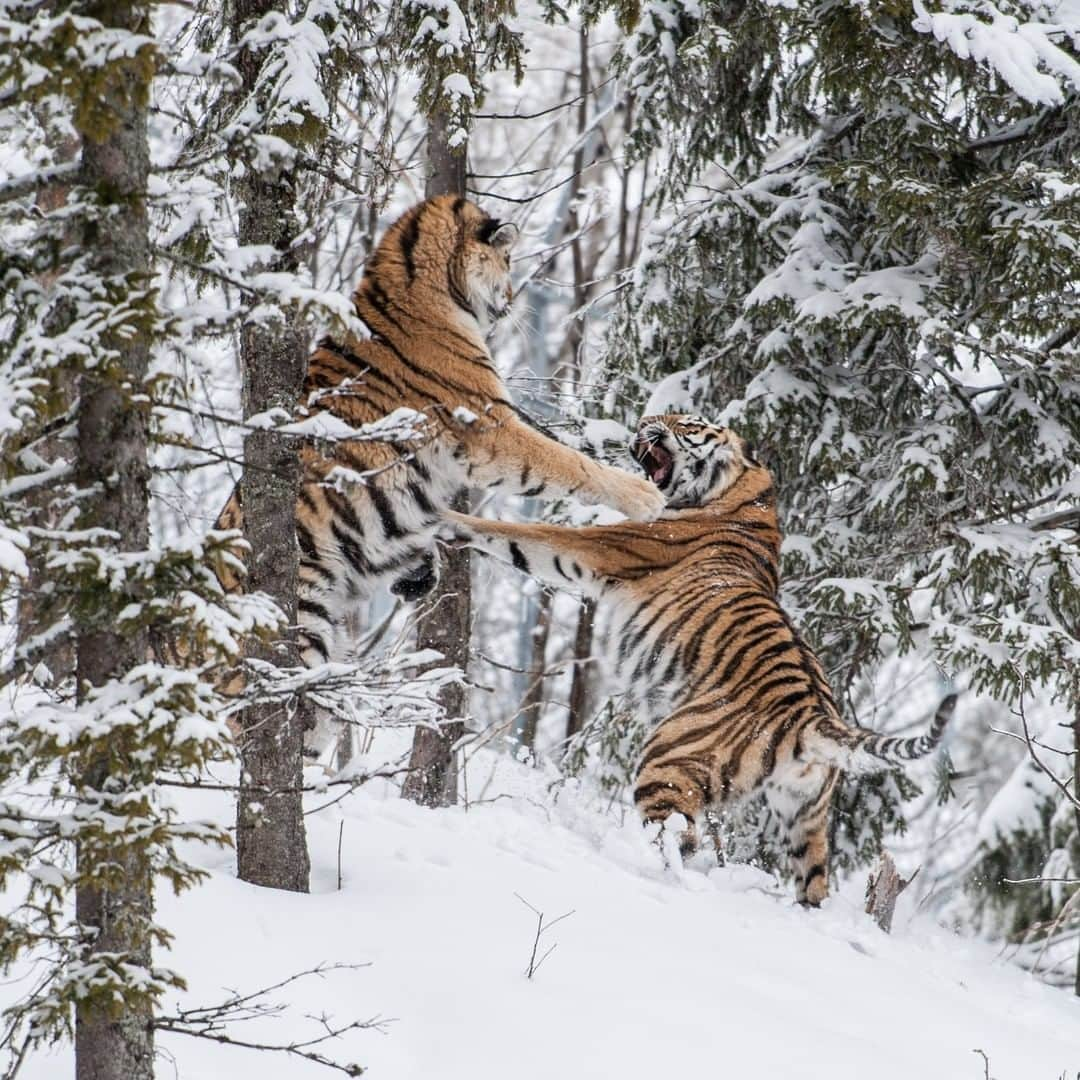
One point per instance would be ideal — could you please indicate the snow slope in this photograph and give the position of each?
(655, 973)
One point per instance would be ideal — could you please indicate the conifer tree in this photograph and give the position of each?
(860, 262)
(81, 760)
(271, 843)
(452, 47)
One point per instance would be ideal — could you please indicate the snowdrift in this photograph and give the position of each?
(700, 971)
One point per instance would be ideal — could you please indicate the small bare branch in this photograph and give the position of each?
(541, 928)
(1032, 753)
(212, 1022)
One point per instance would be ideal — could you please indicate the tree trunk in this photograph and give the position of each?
(112, 457)
(271, 844)
(446, 622)
(1076, 791)
(575, 336)
(533, 702)
(580, 683)
(882, 889)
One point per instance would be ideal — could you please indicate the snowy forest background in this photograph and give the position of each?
(849, 229)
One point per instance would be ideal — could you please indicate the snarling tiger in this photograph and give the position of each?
(735, 699)
(368, 511)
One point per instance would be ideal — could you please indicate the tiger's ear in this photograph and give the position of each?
(748, 454)
(504, 237)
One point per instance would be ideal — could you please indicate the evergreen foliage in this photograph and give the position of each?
(865, 259)
(453, 47)
(81, 765)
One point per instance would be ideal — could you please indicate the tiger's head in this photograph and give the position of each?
(445, 252)
(691, 461)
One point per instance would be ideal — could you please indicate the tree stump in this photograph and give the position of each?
(882, 888)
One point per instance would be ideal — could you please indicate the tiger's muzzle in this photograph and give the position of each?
(651, 454)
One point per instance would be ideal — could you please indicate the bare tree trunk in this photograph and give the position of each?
(533, 702)
(112, 457)
(271, 844)
(1076, 790)
(582, 677)
(576, 332)
(446, 623)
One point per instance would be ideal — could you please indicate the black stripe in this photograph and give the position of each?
(420, 498)
(518, 559)
(316, 567)
(410, 234)
(307, 542)
(457, 295)
(316, 642)
(385, 510)
(310, 607)
(343, 509)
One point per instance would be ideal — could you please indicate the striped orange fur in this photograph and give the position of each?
(429, 293)
(735, 699)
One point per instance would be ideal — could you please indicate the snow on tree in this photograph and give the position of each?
(862, 259)
(83, 812)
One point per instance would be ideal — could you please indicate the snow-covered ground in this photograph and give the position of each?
(704, 971)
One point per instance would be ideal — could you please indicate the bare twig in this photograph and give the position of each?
(541, 928)
(212, 1022)
(340, 834)
(986, 1064)
(1045, 769)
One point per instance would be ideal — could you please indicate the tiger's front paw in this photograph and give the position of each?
(638, 499)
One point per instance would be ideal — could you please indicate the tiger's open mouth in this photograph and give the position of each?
(655, 460)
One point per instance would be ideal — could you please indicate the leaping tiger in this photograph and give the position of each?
(735, 698)
(429, 292)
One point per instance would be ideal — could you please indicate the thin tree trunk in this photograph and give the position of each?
(576, 333)
(271, 844)
(583, 636)
(112, 456)
(1076, 789)
(533, 702)
(446, 622)
(581, 680)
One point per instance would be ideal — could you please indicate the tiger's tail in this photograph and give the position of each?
(864, 752)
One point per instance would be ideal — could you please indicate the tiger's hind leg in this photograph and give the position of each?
(664, 789)
(802, 803)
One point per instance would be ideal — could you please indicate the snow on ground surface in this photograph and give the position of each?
(702, 971)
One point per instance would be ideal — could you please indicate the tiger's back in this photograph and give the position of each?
(369, 507)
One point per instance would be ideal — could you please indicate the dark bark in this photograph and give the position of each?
(446, 622)
(271, 844)
(533, 702)
(112, 458)
(582, 677)
(576, 329)
(1076, 791)
(444, 626)
(446, 167)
